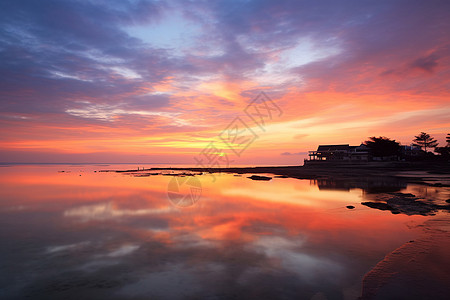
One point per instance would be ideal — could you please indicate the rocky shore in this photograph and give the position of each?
(436, 174)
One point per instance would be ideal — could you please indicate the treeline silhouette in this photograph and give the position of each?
(420, 149)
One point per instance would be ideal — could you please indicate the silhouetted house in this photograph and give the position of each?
(343, 152)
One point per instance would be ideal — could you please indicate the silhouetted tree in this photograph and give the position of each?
(382, 146)
(425, 140)
(447, 139)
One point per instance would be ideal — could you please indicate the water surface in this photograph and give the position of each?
(81, 234)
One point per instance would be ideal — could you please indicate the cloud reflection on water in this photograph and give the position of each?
(119, 237)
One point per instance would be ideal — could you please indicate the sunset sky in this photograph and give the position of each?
(157, 81)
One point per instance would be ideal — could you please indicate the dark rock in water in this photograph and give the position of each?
(406, 203)
(350, 206)
(258, 177)
(448, 200)
(378, 205)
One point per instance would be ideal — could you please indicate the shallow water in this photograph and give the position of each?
(81, 234)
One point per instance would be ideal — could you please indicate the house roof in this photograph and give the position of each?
(333, 147)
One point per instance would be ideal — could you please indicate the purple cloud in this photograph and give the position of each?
(54, 54)
(427, 63)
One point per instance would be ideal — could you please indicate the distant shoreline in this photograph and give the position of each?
(419, 172)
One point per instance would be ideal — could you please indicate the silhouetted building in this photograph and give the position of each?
(343, 152)
(358, 154)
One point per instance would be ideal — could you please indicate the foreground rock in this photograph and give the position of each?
(405, 203)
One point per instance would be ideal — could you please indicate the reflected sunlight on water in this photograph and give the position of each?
(108, 235)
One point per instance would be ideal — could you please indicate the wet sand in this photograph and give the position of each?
(419, 269)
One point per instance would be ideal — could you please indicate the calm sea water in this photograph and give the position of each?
(81, 234)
